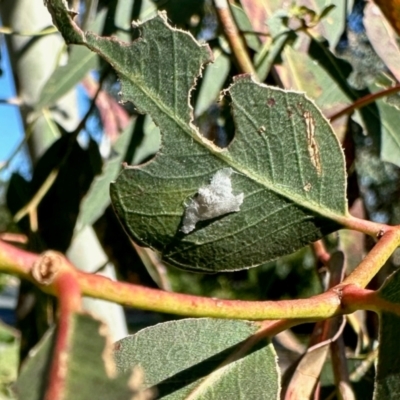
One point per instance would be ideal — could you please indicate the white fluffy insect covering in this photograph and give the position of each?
(213, 200)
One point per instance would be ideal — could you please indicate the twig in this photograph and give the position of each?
(365, 365)
(233, 35)
(364, 101)
(339, 300)
(51, 178)
(320, 252)
(48, 31)
(50, 269)
(38, 196)
(13, 237)
(375, 259)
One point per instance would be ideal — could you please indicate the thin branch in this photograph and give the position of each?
(374, 229)
(320, 252)
(14, 237)
(51, 178)
(38, 196)
(50, 269)
(375, 259)
(48, 31)
(364, 101)
(232, 33)
(366, 364)
(336, 301)
(12, 101)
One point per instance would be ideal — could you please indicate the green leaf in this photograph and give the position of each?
(269, 52)
(204, 358)
(90, 371)
(127, 10)
(9, 356)
(149, 143)
(387, 381)
(65, 77)
(244, 25)
(286, 160)
(390, 141)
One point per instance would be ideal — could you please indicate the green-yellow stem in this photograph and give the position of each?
(375, 259)
(236, 42)
(338, 300)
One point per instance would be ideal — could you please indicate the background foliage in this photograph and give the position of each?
(338, 54)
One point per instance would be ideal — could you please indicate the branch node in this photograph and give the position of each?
(380, 233)
(339, 293)
(47, 267)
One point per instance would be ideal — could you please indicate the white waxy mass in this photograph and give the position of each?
(213, 200)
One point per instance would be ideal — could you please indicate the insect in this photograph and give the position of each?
(213, 200)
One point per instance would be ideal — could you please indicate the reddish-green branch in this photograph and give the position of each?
(338, 300)
(364, 101)
(320, 252)
(370, 228)
(363, 299)
(50, 269)
(233, 35)
(16, 261)
(322, 306)
(375, 259)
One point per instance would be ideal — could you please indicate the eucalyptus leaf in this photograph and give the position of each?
(89, 368)
(390, 140)
(204, 358)
(244, 25)
(9, 356)
(65, 77)
(285, 159)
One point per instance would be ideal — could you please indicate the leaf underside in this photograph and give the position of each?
(285, 157)
(202, 359)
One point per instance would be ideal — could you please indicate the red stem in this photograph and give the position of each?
(69, 296)
(333, 302)
(364, 101)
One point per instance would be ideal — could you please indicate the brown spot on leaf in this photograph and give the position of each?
(289, 112)
(271, 102)
(312, 145)
(117, 346)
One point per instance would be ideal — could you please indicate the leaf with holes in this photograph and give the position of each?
(286, 167)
